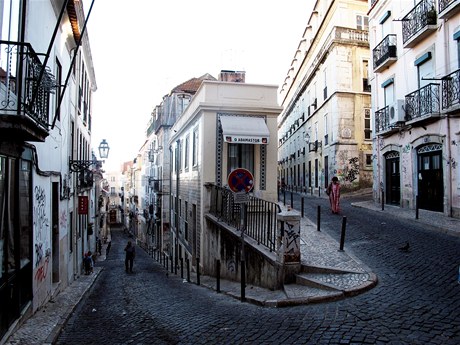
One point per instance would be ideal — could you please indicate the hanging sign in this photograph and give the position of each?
(82, 205)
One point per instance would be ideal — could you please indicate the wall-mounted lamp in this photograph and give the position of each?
(82, 165)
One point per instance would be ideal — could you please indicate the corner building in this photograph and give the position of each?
(204, 152)
(415, 79)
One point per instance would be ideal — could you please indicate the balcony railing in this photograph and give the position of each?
(451, 91)
(447, 8)
(423, 103)
(20, 93)
(384, 54)
(382, 120)
(418, 23)
(261, 218)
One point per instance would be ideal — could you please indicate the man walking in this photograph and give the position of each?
(129, 258)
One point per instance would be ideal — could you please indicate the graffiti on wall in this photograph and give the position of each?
(63, 220)
(41, 222)
(349, 167)
(292, 236)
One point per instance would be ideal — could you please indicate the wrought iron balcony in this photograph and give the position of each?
(423, 104)
(24, 98)
(419, 23)
(386, 121)
(447, 8)
(451, 92)
(384, 54)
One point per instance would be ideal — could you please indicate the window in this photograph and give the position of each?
(362, 22)
(186, 221)
(424, 69)
(195, 148)
(325, 84)
(58, 89)
(367, 124)
(240, 156)
(186, 149)
(368, 159)
(389, 94)
(9, 15)
(365, 71)
(326, 137)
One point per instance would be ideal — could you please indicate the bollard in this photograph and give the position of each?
(172, 264)
(218, 276)
(182, 268)
(284, 197)
(197, 271)
(383, 200)
(318, 218)
(243, 281)
(319, 191)
(292, 200)
(342, 235)
(416, 207)
(166, 262)
(302, 205)
(188, 269)
(311, 190)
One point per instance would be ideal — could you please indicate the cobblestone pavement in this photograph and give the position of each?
(415, 302)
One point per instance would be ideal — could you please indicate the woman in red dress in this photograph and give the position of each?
(333, 190)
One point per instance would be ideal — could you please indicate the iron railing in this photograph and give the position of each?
(451, 90)
(443, 4)
(261, 215)
(382, 119)
(422, 15)
(422, 102)
(384, 50)
(20, 91)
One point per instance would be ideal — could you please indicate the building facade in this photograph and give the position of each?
(227, 125)
(415, 103)
(325, 127)
(46, 204)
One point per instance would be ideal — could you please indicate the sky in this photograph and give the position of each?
(142, 49)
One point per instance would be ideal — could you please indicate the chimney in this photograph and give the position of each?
(232, 76)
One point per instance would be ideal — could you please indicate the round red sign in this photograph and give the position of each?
(240, 180)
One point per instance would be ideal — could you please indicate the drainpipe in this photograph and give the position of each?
(448, 138)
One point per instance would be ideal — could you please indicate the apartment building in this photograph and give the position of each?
(227, 125)
(415, 79)
(325, 127)
(46, 204)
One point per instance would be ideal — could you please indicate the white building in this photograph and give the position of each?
(45, 123)
(227, 125)
(415, 102)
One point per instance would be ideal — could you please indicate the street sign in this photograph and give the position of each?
(240, 180)
(241, 197)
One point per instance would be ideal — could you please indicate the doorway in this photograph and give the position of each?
(393, 178)
(430, 178)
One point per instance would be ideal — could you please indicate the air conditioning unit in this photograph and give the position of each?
(396, 112)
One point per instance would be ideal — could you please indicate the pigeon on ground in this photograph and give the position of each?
(405, 248)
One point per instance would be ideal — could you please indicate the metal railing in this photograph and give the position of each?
(384, 50)
(451, 90)
(382, 119)
(422, 15)
(261, 215)
(423, 102)
(443, 4)
(20, 93)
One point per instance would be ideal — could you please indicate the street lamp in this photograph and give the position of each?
(82, 165)
(104, 149)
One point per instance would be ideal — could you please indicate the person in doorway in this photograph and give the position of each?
(333, 190)
(88, 263)
(129, 258)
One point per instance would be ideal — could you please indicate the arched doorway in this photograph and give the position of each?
(393, 178)
(430, 177)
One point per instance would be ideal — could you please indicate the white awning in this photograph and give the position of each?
(244, 130)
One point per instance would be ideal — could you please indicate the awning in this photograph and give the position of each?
(244, 130)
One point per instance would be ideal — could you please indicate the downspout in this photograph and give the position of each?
(448, 138)
(71, 65)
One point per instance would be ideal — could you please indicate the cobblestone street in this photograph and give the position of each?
(415, 302)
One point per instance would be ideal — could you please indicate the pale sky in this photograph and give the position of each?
(142, 49)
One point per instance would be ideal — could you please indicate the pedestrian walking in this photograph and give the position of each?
(333, 191)
(129, 258)
(88, 263)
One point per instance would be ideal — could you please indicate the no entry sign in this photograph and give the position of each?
(240, 180)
